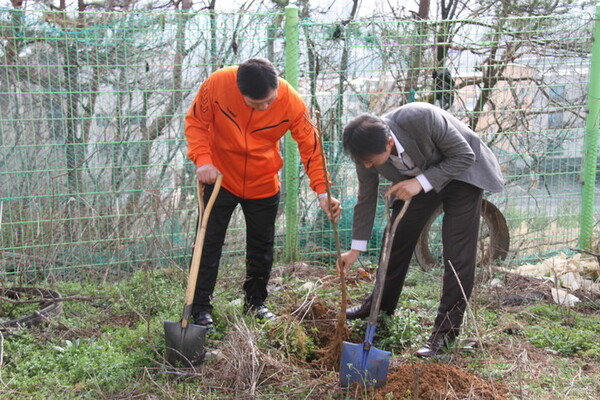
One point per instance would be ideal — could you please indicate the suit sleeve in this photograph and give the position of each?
(199, 126)
(366, 204)
(455, 155)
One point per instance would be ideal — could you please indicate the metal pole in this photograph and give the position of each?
(590, 144)
(292, 161)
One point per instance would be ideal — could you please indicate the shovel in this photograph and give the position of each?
(185, 341)
(362, 362)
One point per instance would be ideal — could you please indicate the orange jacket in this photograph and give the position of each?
(243, 143)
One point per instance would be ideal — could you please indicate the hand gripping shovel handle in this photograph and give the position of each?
(204, 213)
(382, 272)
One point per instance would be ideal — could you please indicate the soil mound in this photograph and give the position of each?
(438, 382)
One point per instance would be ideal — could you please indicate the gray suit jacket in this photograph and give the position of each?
(440, 145)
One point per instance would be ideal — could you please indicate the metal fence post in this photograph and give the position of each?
(291, 183)
(590, 144)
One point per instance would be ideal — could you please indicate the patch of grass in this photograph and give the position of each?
(112, 345)
(67, 368)
(401, 330)
(562, 330)
(564, 340)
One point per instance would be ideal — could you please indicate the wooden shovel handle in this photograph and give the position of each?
(203, 215)
(384, 262)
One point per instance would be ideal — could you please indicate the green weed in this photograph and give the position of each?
(561, 330)
(86, 365)
(402, 330)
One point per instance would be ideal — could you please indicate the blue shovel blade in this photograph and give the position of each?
(367, 367)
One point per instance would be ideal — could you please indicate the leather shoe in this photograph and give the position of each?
(436, 345)
(360, 311)
(203, 318)
(261, 312)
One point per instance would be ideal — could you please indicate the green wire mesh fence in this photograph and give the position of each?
(93, 168)
(520, 82)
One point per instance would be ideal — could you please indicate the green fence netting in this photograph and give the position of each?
(520, 82)
(93, 168)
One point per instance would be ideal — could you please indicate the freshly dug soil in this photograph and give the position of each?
(438, 382)
(430, 381)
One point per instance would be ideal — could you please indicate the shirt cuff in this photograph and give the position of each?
(321, 195)
(424, 182)
(360, 245)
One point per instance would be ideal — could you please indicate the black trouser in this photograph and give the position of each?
(460, 229)
(260, 217)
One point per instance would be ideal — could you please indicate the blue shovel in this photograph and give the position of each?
(364, 363)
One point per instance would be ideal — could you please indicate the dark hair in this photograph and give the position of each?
(364, 136)
(256, 77)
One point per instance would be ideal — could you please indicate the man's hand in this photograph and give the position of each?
(406, 189)
(333, 211)
(207, 173)
(347, 259)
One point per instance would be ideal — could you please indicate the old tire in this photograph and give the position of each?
(47, 307)
(494, 238)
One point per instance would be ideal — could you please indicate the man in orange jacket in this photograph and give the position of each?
(233, 128)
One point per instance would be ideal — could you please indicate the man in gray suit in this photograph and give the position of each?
(433, 158)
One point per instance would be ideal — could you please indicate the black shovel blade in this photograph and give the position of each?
(185, 346)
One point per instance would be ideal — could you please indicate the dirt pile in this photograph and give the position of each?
(438, 382)
(431, 381)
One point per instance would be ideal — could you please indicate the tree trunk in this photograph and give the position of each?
(416, 59)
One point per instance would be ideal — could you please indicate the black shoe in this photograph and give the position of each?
(261, 312)
(203, 318)
(436, 345)
(360, 311)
